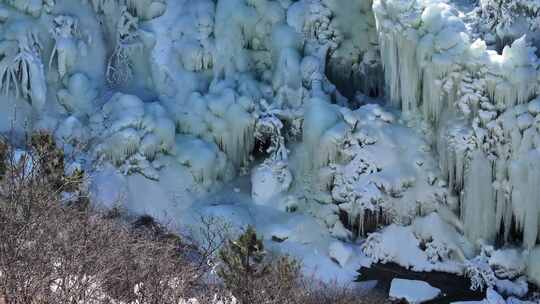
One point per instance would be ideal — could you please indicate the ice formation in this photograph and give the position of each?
(21, 70)
(340, 253)
(347, 116)
(223, 117)
(67, 45)
(79, 96)
(204, 160)
(130, 134)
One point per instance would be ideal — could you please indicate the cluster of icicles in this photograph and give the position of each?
(480, 102)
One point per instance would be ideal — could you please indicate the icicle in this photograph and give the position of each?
(478, 207)
(121, 145)
(318, 118)
(503, 213)
(242, 139)
(525, 178)
(331, 143)
(530, 232)
(150, 146)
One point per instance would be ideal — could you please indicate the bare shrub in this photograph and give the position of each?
(51, 252)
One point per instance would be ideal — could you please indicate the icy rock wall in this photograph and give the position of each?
(193, 38)
(432, 67)
(426, 46)
(261, 58)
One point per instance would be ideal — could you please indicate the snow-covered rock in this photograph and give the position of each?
(507, 263)
(412, 291)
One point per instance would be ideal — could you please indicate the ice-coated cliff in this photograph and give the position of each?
(322, 122)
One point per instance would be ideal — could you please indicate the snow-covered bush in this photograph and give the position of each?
(268, 131)
(479, 272)
(507, 263)
(499, 270)
(120, 66)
